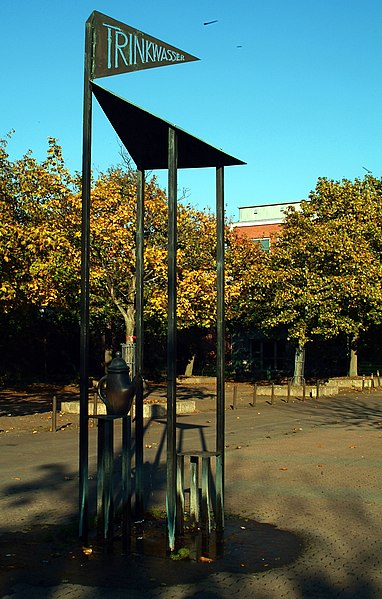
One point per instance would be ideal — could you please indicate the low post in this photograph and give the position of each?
(303, 390)
(54, 414)
(289, 389)
(92, 421)
(317, 389)
(272, 394)
(378, 379)
(254, 396)
(363, 382)
(234, 397)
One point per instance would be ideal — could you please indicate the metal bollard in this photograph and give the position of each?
(234, 397)
(303, 390)
(254, 396)
(318, 390)
(378, 379)
(272, 393)
(95, 408)
(289, 390)
(54, 414)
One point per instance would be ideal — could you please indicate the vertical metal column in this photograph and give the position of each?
(171, 337)
(139, 258)
(85, 255)
(180, 495)
(220, 390)
(126, 482)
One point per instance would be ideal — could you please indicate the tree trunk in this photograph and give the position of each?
(353, 361)
(127, 310)
(299, 364)
(190, 366)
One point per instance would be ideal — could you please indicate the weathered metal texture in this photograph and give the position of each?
(200, 495)
(119, 48)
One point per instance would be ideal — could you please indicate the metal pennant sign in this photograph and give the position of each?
(119, 48)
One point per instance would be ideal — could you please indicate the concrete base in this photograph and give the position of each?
(154, 410)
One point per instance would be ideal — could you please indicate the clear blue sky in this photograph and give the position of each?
(302, 97)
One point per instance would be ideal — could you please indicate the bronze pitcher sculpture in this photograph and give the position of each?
(120, 389)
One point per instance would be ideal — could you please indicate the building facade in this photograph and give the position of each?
(261, 223)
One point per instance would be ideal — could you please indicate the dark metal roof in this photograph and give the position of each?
(145, 137)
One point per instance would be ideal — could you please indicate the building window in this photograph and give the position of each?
(264, 242)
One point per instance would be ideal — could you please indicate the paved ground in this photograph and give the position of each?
(303, 496)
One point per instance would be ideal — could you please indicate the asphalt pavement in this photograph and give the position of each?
(303, 499)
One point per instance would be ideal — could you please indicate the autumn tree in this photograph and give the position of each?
(38, 260)
(325, 271)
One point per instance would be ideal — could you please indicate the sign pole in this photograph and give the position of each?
(139, 327)
(171, 336)
(84, 309)
(220, 390)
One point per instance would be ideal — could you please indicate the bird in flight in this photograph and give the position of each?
(210, 22)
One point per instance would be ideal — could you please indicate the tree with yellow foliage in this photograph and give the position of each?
(325, 272)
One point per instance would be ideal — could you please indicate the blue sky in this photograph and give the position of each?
(300, 99)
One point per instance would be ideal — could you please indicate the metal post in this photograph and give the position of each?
(205, 507)
(139, 344)
(273, 393)
(220, 330)
(180, 495)
(289, 390)
(126, 482)
(254, 395)
(234, 397)
(54, 414)
(85, 255)
(171, 336)
(108, 504)
(194, 489)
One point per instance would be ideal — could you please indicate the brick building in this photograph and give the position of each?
(260, 223)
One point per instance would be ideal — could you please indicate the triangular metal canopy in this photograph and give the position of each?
(145, 137)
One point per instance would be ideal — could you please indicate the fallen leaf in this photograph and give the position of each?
(205, 560)
(353, 446)
(283, 468)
